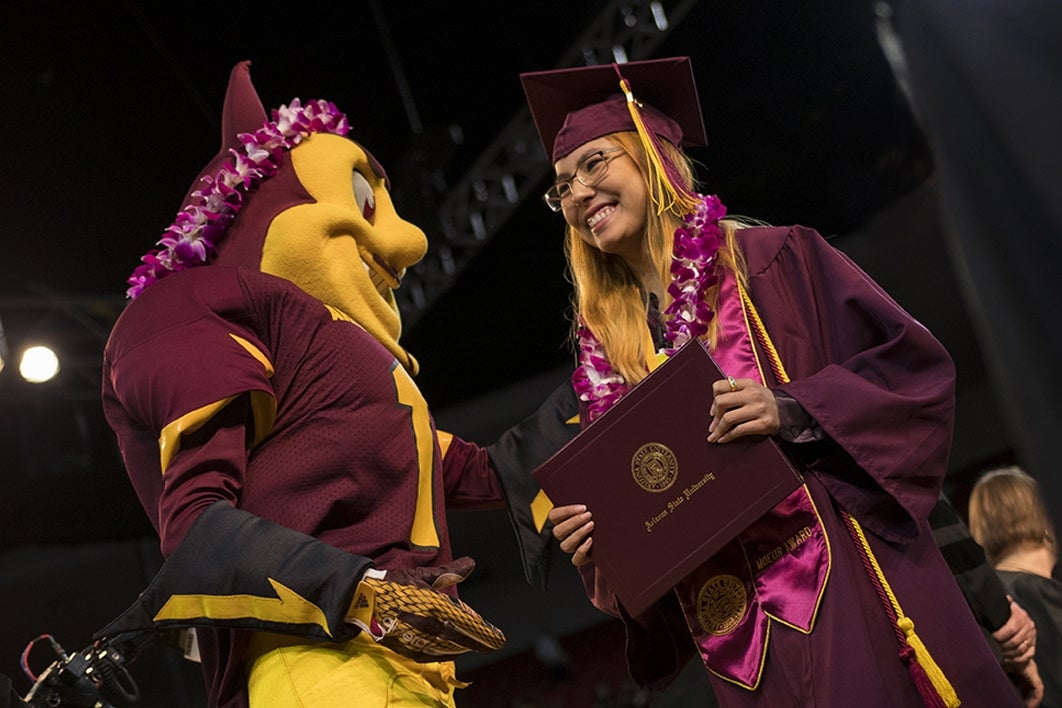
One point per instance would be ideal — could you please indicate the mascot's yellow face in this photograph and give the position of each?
(349, 248)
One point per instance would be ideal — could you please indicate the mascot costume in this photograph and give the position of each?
(267, 416)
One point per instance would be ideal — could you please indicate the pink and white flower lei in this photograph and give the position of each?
(693, 272)
(191, 240)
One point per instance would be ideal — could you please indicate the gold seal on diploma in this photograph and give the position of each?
(655, 467)
(721, 604)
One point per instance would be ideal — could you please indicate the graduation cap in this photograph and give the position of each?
(657, 98)
(573, 106)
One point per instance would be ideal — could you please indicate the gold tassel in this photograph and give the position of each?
(664, 194)
(940, 684)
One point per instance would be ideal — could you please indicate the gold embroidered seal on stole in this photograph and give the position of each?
(721, 603)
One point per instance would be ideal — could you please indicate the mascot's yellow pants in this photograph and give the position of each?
(288, 671)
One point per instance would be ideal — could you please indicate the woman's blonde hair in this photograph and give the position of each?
(608, 296)
(1007, 514)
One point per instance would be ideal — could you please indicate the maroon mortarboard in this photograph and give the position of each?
(573, 106)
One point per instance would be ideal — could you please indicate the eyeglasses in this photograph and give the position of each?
(590, 170)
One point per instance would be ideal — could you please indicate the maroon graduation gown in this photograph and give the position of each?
(882, 389)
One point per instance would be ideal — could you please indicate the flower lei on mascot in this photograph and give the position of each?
(262, 337)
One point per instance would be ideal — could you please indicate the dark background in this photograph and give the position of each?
(113, 107)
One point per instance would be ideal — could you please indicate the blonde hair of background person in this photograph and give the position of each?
(1009, 519)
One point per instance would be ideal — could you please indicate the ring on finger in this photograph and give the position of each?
(733, 384)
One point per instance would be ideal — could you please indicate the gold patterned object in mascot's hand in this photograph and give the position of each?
(421, 623)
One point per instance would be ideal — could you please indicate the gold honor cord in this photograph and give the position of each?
(914, 653)
(923, 668)
(752, 317)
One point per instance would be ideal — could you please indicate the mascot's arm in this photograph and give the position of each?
(234, 569)
(227, 567)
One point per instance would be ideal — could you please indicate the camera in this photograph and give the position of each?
(95, 677)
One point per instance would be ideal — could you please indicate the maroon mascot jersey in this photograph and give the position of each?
(349, 455)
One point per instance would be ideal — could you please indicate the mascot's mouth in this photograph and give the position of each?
(383, 275)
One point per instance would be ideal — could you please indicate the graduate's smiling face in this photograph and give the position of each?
(609, 210)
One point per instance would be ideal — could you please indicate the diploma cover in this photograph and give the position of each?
(663, 498)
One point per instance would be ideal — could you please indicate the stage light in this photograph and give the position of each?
(38, 364)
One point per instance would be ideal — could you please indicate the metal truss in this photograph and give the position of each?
(512, 168)
(472, 211)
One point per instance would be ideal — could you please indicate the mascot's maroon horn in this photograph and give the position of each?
(227, 210)
(245, 236)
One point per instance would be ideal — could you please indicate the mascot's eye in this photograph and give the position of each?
(364, 196)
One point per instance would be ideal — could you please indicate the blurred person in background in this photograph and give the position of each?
(1009, 519)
